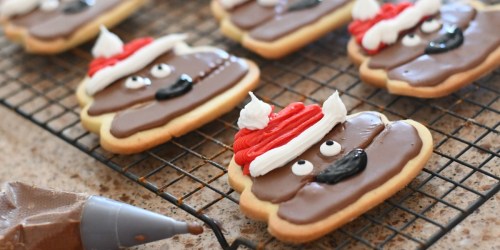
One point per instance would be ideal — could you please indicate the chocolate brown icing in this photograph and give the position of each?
(281, 184)
(398, 54)
(49, 25)
(480, 39)
(158, 113)
(248, 15)
(272, 23)
(290, 21)
(387, 155)
(117, 97)
(33, 218)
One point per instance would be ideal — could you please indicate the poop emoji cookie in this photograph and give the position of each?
(307, 170)
(53, 26)
(424, 49)
(274, 28)
(143, 93)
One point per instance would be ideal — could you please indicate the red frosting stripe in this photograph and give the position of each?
(282, 128)
(358, 28)
(128, 49)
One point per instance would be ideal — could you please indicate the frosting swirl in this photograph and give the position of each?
(107, 45)
(255, 115)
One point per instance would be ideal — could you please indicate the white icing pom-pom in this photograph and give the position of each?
(430, 25)
(365, 9)
(136, 82)
(107, 45)
(161, 70)
(302, 167)
(255, 115)
(49, 5)
(330, 148)
(410, 40)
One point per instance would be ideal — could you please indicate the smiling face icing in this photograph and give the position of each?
(149, 82)
(453, 39)
(329, 170)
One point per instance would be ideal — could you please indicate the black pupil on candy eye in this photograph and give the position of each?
(160, 67)
(134, 78)
(301, 162)
(329, 143)
(411, 35)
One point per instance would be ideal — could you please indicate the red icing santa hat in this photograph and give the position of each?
(375, 27)
(114, 60)
(267, 141)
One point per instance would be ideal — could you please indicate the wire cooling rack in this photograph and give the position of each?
(190, 171)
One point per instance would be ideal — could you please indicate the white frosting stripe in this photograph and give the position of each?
(133, 63)
(17, 7)
(387, 31)
(334, 112)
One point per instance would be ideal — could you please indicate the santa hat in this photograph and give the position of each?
(375, 27)
(268, 141)
(114, 60)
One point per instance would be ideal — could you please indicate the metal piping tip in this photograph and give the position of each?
(108, 224)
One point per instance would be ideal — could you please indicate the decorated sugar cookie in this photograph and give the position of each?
(424, 49)
(143, 93)
(274, 28)
(308, 170)
(53, 26)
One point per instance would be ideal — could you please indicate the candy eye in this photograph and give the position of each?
(135, 82)
(49, 5)
(411, 40)
(161, 70)
(430, 25)
(302, 167)
(330, 148)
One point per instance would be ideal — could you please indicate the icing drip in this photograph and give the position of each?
(387, 31)
(107, 45)
(17, 7)
(358, 28)
(133, 63)
(255, 115)
(282, 127)
(365, 9)
(334, 113)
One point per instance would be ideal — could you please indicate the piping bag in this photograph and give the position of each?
(35, 218)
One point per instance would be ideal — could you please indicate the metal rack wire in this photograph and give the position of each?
(190, 171)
